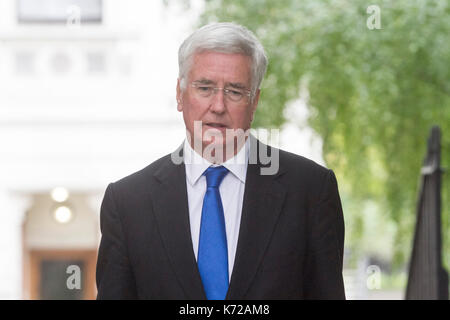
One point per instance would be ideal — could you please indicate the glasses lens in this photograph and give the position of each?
(234, 95)
(203, 91)
(206, 91)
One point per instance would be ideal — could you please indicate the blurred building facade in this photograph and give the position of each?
(87, 96)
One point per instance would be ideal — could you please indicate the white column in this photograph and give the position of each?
(12, 213)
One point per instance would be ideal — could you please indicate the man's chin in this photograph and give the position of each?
(218, 144)
(214, 131)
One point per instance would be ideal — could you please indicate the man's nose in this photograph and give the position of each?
(218, 102)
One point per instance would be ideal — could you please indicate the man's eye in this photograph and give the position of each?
(204, 89)
(235, 92)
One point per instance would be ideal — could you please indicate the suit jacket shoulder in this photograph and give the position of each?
(291, 228)
(301, 174)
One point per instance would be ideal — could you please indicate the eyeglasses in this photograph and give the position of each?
(206, 91)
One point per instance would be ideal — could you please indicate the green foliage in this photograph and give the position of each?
(373, 96)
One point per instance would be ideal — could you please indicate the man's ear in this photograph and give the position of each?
(254, 103)
(179, 104)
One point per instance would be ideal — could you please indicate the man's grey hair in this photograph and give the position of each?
(224, 37)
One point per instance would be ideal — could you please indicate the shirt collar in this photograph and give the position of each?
(196, 164)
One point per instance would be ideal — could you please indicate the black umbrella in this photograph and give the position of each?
(427, 278)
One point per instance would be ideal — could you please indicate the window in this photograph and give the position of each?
(24, 63)
(59, 11)
(96, 63)
(60, 63)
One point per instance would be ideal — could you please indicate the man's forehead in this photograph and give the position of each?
(210, 59)
(210, 67)
(215, 54)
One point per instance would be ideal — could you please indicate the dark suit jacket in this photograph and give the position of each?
(290, 242)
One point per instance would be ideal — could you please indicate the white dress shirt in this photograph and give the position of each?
(231, 192)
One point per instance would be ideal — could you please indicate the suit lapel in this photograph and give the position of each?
(172, 214)
(263, 200)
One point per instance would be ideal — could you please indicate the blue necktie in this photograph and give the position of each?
(212, 257)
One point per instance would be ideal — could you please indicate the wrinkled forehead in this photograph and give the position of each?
(218, 67)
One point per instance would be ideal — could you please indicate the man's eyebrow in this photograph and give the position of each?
(236, 85)
(204, 81)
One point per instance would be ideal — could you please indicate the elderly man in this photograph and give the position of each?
(206, 222)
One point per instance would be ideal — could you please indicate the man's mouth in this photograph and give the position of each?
(215, 125)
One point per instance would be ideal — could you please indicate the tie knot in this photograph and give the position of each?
(215, 175)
